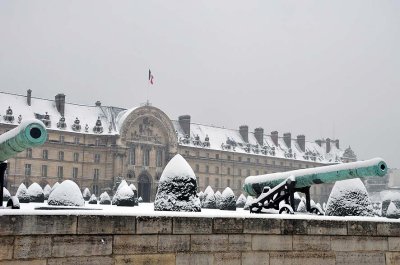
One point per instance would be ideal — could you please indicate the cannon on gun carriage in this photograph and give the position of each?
(276, 191)
(28, 134)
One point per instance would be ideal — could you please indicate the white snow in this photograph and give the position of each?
(122, 184)
(66, 194)
(86, 194)
(6, 194)
(22, 193)
(133, 187)
(35, 189)
(392, 211)
(46, 191)
(241, 201)
(105, 198)
(177, 166)
(54, 187)
(123, 193)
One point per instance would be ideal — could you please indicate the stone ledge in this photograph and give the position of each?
(109, 225)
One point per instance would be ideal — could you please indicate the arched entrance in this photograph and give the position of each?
(144, 187)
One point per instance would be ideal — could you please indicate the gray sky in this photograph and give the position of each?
(323, 69)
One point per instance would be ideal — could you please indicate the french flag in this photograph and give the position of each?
(151, 78)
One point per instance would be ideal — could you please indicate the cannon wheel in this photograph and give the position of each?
(255, 208)
(286, 209)
(316, 211)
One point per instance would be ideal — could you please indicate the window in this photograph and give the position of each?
(257, 172)
(74, 172)
(186, 153)
(229, 170)
(197, 153)
(76, 140)
(290, 164)
(197, 168)
(207, 181)
(61, 139)
(146, 157)
(96, 174)
(97, 158)
(307, 166)
(29, 152)
(229, 157)
(207, 168)
(217, 183)
(216, 156)
(60, 172)
(248, 172)
(61, 155)
(266, 161)
(132, 155)
(216, 170)
(239, 171)
(248, 160)
(97, 142)
(273, 162)
(208, 155)
(258, 161)
(44, 170)
(45, 154)
(281, 163)
(228, 182)
(76, 157)
(28, 169)
(159, 158)
(240, 159)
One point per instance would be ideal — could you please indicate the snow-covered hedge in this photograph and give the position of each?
(6, 194)
(209, 200)
(349, 198)
(22, 194)
(35, 193)
(177, 188)
(46, 191)
(249, 201)
(93, 199)
(86, 194)
(228, 200)
(66, 194)
(241, 201)
(124, 196)
(105, 198)
(218, 198)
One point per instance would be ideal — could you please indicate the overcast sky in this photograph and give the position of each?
(323, 69)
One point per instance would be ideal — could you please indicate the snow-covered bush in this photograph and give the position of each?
(122, 184)
(301, 208)
(228, 200)
(6, 194)
(54, 186)
(140, 199)
(387, 198)
(105, 198)
(66, 194)
(218, 198)
(201, 197)
(249, 201)
(209, 201)
(124, 196)
(93, 199)
(392, 211)
(46, 191)
(241, 201)
(177, 188)
(22, 194)
(86, 194)
(35, 193)
(349, 198)
(135, 192)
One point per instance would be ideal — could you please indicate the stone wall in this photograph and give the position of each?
(116, 240)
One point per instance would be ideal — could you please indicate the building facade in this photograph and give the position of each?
(98, 146)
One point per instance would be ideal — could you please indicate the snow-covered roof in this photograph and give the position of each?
(231, 140)
(87, 115)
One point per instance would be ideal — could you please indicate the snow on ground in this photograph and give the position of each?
(147, 209)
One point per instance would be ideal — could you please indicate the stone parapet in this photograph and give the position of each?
(115, 240)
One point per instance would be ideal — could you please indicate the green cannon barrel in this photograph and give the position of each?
(29, 133)
(254, 185)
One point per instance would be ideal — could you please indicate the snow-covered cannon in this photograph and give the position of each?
(28, 134)
(272, 189)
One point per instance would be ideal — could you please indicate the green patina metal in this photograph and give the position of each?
(28, 134)
(328, 174)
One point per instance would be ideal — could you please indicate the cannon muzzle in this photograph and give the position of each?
(29, 133)
(254, 185)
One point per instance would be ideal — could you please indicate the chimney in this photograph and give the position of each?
(259, 134)
(29, 97)
(287, 137)
(319, 142)
(98, 103)
(184, 122)
(274, 137)
(60, 103)
(244, 132)
(328, 145)
(337, 143)
(301, 141)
